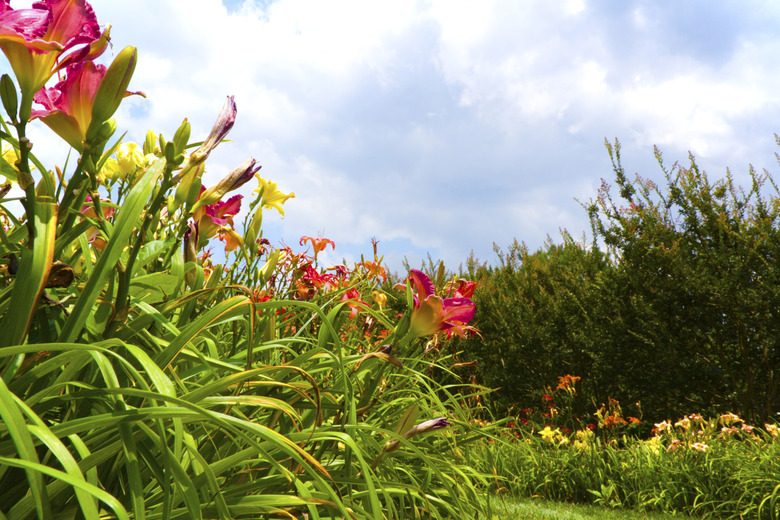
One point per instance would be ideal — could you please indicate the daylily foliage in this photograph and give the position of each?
(161, 357)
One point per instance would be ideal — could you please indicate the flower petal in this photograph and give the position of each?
(459, 309)
(229, 208)
(72, 22)
(69, 103)
(427, 317)
(25, 26)
(422, 284)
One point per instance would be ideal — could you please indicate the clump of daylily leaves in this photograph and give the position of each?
(145, 372)
(717, 467)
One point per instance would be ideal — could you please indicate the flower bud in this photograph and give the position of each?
(230, 182)
(113, 88)
(9, 97)
(191, 237)
(182, 137)
(222, 126)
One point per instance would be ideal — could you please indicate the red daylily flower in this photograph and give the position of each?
(260, 296)
(34, 40)
(308, 281)
(319, 280)
(432, 314)
(461, 288)
(355, 304)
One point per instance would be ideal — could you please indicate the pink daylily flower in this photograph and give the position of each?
(432, 314)
(68, 105)
(35, 40)
(222, 213)
(209, 221)
(215, 216)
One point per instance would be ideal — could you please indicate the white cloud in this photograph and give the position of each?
(446, 125)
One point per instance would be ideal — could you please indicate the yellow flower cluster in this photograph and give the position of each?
(127, 162)
(699, 434)
(584, 439)
(553, 436)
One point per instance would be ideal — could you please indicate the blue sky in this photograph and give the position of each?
(445, 126)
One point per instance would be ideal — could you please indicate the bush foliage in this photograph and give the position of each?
(675, 304)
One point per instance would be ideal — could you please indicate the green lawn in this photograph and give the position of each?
(533, 509)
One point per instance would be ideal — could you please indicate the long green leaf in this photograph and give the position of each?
(124, 225)
(86, 501)
(211, 481)
(69, 464)
(223, 310)
(33, 274)
(17, 428)
(38, 468)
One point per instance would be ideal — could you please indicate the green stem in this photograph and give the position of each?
(75, 190)
(26, 180)
(123, 290)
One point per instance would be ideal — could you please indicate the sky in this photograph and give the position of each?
(444, 127)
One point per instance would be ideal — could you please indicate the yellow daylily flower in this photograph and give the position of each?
(129, 156)
(10, 156)
(548, 434)
(379, 298)
(272, 197)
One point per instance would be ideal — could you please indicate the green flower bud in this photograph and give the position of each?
(112, 89)
(9, 97)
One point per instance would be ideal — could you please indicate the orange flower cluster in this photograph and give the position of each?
(613, 420)
(567, 383)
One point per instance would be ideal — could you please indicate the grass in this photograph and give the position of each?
(536, 509)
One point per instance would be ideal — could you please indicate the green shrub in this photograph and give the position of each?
(674, 306)
(535, 320)
(696, 290)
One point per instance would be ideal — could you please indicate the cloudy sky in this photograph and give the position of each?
(445, 126)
